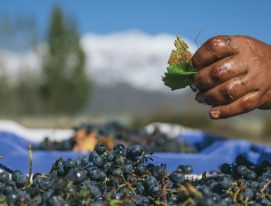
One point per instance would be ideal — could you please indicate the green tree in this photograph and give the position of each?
(4, 94)
(65, 88)
(19, 95)
(26, 94)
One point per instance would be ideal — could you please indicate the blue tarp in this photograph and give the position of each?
(213, 152)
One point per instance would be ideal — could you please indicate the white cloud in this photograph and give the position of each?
(132, 57)
(14, 64)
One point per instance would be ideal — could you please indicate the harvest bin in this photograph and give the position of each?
(213, 152)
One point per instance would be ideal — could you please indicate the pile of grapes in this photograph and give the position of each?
(126, 176)
(112, 133)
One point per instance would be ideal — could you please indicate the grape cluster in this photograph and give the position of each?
(126, 176)
(246, 183)
(157, 141)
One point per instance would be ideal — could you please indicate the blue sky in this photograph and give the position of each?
(154, 16)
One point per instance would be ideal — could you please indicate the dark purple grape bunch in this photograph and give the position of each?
(127, 176)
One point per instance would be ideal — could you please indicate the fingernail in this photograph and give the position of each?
(200, 98)
(215, 114)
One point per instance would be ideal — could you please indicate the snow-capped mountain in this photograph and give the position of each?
(132, 57)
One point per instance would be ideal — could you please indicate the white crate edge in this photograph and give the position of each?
(172, 130)
(35, 135)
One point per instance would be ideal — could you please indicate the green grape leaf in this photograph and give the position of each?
(176, 81)
(180, 70)
(179, 76)
(184, 68)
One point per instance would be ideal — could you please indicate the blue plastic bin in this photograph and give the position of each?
(213, 152)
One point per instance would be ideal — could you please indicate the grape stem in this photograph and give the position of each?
(265, 186)
(128, 184)
(193, 190)
(164, 190)
(187, 202)
(235, 196)
(30, 163)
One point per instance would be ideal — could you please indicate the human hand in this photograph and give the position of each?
(234, 75)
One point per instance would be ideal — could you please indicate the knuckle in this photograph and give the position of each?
(219, 41)
(228, 92)
(247, 104)
(213, 43)
(231, 91)
(243, 83)
(216, 73)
